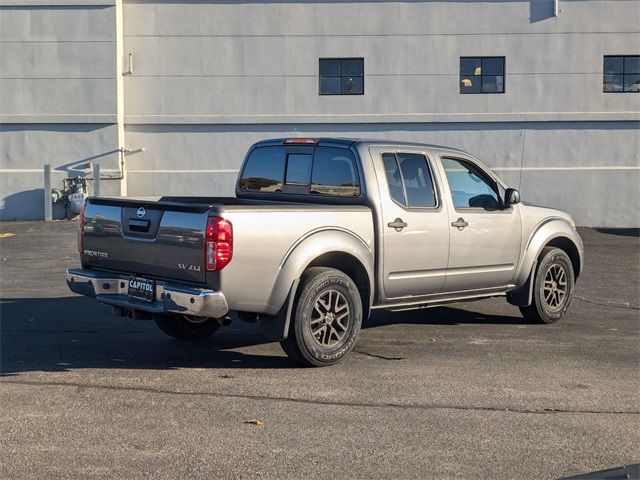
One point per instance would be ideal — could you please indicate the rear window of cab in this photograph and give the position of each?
(327, 171)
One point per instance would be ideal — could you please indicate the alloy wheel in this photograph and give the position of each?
(330, 318)
(555, 287)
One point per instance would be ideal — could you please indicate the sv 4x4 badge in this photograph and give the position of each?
(193, 268)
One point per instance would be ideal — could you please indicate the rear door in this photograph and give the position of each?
(485, 238)
(146, 238)
(415, 233)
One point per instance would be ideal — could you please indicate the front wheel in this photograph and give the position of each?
(552, 288)
(326, 319)
(187, 328)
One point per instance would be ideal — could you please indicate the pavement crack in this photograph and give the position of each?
(373, 355)
(608, 305)
(399, 406)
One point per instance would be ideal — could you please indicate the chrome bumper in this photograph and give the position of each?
(112, 289)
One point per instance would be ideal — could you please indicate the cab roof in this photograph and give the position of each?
(348, 142)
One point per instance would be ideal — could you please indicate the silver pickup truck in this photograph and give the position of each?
(320, 233)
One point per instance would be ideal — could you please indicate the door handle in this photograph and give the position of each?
(460, 224)
(398, 224)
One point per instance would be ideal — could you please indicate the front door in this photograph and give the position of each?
(414, 224)
(484, 237)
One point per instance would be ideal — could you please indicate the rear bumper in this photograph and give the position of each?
(112, 289)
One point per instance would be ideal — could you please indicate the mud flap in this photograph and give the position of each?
(276, 328)
(523, 296)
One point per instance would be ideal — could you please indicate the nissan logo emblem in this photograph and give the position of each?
(141, 212)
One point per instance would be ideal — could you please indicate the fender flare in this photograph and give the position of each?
(311, 246)
(546, 231)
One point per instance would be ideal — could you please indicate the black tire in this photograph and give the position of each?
(552, 288)
(179, 326)
(320, 334)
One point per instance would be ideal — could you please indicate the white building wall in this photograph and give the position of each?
(568, 166)
(211, 77)
(57, 98)
(66, 147)
(189, 57)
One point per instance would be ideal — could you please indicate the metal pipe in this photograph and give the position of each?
(48, 206)
(96, 179)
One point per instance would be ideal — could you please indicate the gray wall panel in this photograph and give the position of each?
(31, 146)
(57, 64)
(376, 17)
(189, 57)
(153, 184)
(86, 60)
(406, 94)
(57, 60)
(606, 198)
(385, 55)
(68, 148)
(43, 96)
(571, 166)
(52, 23)
(234, 72)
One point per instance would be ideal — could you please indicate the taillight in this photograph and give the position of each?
(218, 244)
(80, 229)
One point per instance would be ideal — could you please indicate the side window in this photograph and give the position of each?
(264, 170)
(394, 180)
(409, 179)
(470, 187)
(335, 173)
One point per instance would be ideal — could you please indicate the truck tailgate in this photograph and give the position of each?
(156, 239)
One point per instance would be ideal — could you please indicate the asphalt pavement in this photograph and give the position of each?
(464, 391)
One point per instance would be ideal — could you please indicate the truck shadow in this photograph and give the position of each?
(439, 316)
(68, 333)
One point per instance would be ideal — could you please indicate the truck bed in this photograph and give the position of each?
(167, 242)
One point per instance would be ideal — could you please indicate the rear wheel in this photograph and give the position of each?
(326, 320)
(552, 288)
(187, 328)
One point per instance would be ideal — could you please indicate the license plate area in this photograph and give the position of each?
(142, 289)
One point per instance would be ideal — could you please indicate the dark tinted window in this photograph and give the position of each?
(470, 187)
(264, 170)
(298, 169)
(330, 67)
(341, 76)
(417, 180)
(482, 75)
(330, 85)
(352, 66)
(621, 74)
(613, 65)
(394, 179)
(323, 170)
(335, 173)
(352, 85)
(409, 179)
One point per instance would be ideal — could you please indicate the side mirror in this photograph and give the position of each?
(511, 197)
